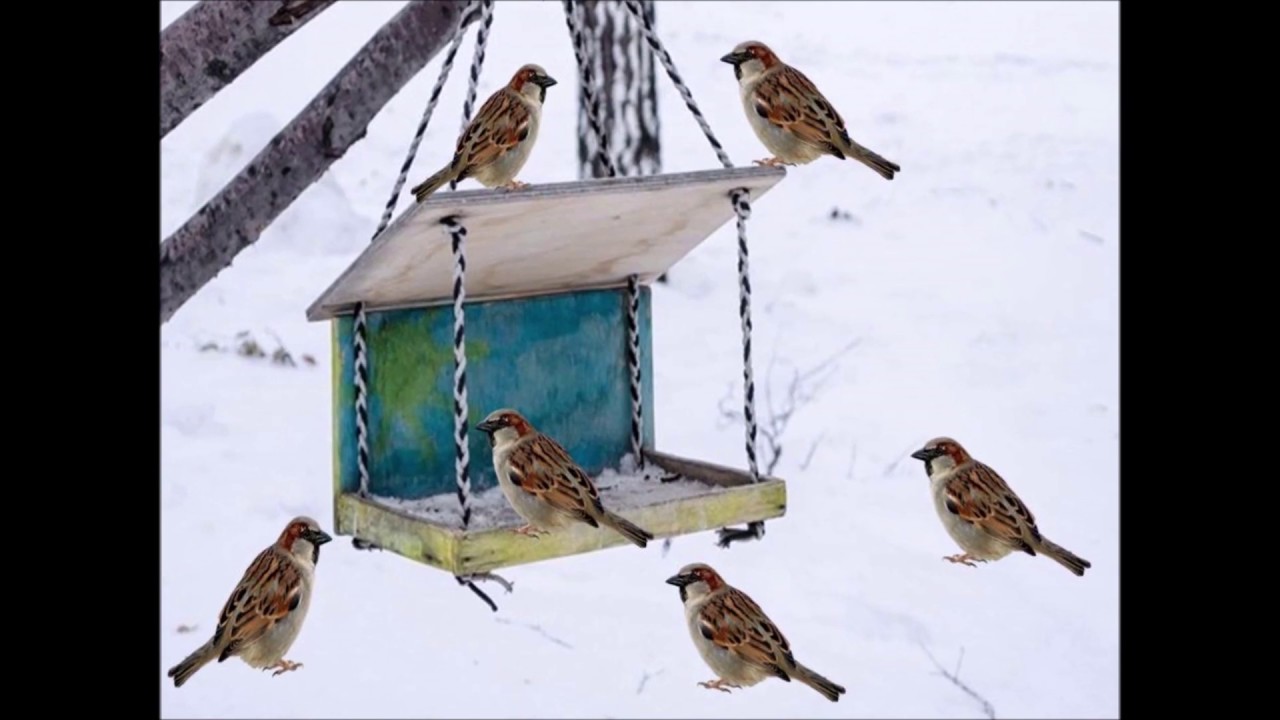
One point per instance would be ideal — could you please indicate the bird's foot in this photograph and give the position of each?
(284, 667)
(962, 559)
(530, 531)
(717, 684)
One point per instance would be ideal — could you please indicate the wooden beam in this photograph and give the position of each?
(330, 124)
(208, 47)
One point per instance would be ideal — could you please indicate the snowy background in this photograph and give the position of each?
(978, 292)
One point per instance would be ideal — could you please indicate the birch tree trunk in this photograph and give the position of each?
(624, 67)
(330, 124)
(212, 43)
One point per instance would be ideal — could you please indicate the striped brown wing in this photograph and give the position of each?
(542, 467)
(978, 495)
(270, 589)
(733, 621)
(501, 124)
(790, 101)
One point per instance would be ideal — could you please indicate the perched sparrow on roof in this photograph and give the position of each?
(265, 612)
(497, 143)
(981, 512)
(735, 638)
(793, 120)
(544, 485)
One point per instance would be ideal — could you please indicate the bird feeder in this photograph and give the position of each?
(551, 331)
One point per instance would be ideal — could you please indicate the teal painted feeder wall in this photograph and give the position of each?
(561, 360)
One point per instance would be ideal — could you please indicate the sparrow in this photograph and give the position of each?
(497, 141)
(786, 111)
(981, 512)
(544, 485)
(735, 638)
(262, 617)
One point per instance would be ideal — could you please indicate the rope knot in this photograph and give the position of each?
(742, 202)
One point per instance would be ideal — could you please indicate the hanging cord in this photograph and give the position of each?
(646, 28)
(633, 364)
(742, 208)
(458, 235)
(617, 17)
(647, 122)
(477, 63)
(462, 454)
(586, 81)
(361, 328)
(485, 7)
(591, 102)
(445, 69)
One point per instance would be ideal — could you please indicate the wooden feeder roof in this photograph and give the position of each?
(543, 239)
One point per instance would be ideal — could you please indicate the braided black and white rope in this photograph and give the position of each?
(458, 234)
(646, 28)
(647, 123)
(477, 63)
(361, 326)
(462, 455)
(633, 364)
(587, 84)
(625, 97)
(358, 333)
(591, 105)
(742, 208)
(458, 37)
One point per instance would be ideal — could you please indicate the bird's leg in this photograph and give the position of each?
(515, 185)
(962, 559)
(530, 531)
(284, 667)
(717, 684)
(770, 162)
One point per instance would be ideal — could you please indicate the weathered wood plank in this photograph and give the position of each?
(493, 547)
(396, 531)
(544, 239)
(705, 471)
(561, 360)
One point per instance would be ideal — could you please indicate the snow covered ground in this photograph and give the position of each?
(979, 291)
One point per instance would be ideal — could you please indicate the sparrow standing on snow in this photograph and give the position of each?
(981, 512)
(793, 120)
(544, 485)
(734, 636)
(497, 142)
(265, 612)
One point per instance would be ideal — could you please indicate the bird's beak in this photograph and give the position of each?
(680, 580)
(734, 58)
(487, 427)
(317, 537)
(545, 81)
(925, 454)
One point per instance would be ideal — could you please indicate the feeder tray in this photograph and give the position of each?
(546, 308)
